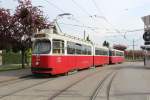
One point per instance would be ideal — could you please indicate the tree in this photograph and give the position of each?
(106, 44)
(17, 30)
(5, 28)
(27, 19)
(88, 38)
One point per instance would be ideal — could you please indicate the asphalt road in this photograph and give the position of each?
(127, 81)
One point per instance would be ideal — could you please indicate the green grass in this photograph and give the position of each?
(10, 67)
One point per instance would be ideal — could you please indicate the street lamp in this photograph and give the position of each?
(64, 14)
(56, 26)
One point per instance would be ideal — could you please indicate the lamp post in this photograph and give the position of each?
(56, 25)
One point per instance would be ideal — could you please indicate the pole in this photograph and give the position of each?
(133, 49)
(84, 35)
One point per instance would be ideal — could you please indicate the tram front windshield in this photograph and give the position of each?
(42, 46)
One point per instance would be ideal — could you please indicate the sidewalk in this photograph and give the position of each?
(14, 74)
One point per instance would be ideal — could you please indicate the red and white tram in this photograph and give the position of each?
(116, 56)
(56, 54)
(101, 56)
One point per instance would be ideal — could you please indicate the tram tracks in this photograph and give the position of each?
(15, 80)
(27, 87)
(87, 75)
(97, 91)
(71, 85)
(33, 85)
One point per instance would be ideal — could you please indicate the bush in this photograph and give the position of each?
(10, 57)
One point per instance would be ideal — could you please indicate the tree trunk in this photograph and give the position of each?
(23, 56)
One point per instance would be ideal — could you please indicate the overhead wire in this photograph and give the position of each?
(48, 1)
(82, 26)
(87, 13)
(73, 16)
(83, 10)
(80, 7)
(96, 6)
(103, 16)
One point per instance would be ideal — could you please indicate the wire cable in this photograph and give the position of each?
(75, 3)
(82, 26)
(96, 6)
(48, 1)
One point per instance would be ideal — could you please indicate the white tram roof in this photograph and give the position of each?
(117, 50)
(48, 35)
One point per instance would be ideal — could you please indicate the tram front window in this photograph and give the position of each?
(42, 47)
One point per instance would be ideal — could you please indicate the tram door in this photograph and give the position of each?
(71, 59)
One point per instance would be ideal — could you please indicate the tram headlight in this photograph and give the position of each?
(37, 63)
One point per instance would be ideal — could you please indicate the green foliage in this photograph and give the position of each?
(17, 29)
(10, 57)
(106, 44)
(28, 55)
(88, 38)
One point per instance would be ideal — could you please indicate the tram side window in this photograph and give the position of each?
(58, 46)
(99, 51)
(119, 53)
(89, 50)
(70, 47)
(113, 53)
(96, 51)
(84, 50)
(105, 52)
(78, 48)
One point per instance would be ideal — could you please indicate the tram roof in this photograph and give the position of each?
(117, 50)
(48, 34)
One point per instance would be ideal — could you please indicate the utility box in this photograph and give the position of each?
(146, 49)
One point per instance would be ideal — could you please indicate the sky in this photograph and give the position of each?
(110, 20)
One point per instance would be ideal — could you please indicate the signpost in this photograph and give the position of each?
(146, 38)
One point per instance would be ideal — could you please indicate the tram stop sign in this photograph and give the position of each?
(146, 20)
(146, 35)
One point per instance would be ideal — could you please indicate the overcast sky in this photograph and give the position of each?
(113, 18)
